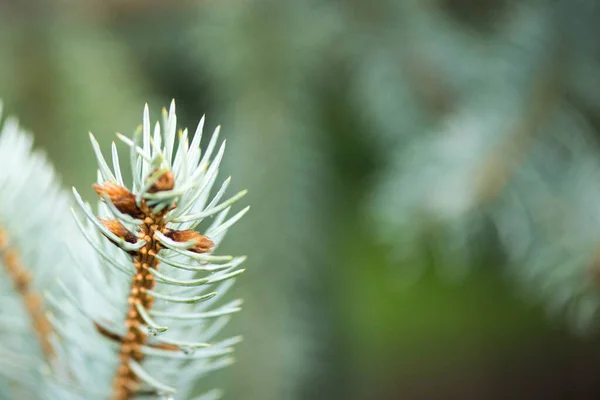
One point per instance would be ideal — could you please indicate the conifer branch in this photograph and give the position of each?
(36, 231)
(21, 278)
(139, 299)
(140, 230)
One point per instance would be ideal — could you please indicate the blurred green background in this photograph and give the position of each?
(423, 175)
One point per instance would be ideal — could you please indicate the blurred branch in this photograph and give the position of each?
(498, 165)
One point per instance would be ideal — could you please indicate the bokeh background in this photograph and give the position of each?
(424, 176)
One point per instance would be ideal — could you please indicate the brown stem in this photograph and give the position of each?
(126, 382)
(21, 279)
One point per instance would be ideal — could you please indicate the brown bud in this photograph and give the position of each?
(121, 197)
(165, 182)
(203, 244)
(118, 229)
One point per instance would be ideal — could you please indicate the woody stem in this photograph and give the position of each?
(126, 382)
(33, 302)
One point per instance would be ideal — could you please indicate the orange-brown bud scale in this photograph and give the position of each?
(119, 229)
(121, 197)
(165, 182)
(203, 244)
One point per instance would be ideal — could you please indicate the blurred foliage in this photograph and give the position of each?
(409, 163)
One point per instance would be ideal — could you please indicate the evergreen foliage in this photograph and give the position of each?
(118, 327)
(36, 229)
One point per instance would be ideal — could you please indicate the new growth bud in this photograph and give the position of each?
(119, 229)
(121, 197)
(165, 182)
(203, 244)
